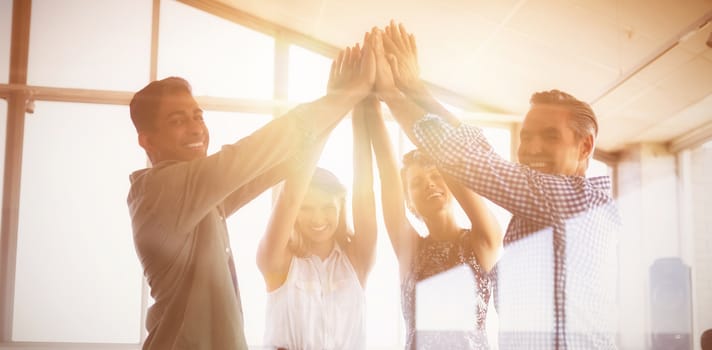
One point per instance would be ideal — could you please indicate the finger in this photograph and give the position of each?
(335, 66)
(393, 62)
(413, 47)
(366, 43)
(390, 35)
(389, 46)
(368, 66)
(356, 59)
(349, 58)
(332, 74)
(405, 36)
(377, 41)
(340, 60)
(357, 51)
(396, 36)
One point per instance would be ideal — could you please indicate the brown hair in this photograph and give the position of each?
(328, 182)
(145, 103)
(583, 121)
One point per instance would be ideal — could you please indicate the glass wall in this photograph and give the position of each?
(102, 45)
(700, 188)
(5, 31)
(308, 74)
(218, 57)
(77, 278)
(3, 138)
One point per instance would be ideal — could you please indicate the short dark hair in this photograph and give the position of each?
(144, 104)
(706, 340)
(583, 120)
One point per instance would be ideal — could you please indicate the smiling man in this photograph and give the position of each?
(555, 284)
(178, 206)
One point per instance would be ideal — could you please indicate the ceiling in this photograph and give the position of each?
(642, 64)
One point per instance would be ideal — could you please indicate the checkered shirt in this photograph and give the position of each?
(556, 282)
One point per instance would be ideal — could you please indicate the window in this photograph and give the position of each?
(3, 125)
(218, 57)
(77, 278)
(74, 35)
(5, 30)
(308, 74)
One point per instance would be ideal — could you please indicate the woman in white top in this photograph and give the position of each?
(314, 266)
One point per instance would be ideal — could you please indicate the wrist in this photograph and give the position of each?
(390, 96)
(349, 96)
(415, 89)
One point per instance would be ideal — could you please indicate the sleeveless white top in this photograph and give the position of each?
(320, 306)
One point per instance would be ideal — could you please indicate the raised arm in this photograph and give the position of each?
(363, 245)
(273, 255)
(487, 234)
(258, 185)
(401, 233)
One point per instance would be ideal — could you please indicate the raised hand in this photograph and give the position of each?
(353, 71)
(402, 55)
(384, 85)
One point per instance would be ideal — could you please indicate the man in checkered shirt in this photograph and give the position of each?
(556, 280)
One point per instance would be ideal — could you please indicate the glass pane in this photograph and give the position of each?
(218, 57)
(78, 278)
(90, 44)
(700, 221)
(308, 74)
(3, 139)
(5, 31)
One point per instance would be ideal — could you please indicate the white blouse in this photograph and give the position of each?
(320, 306)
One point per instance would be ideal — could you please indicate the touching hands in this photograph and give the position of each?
(384, 85)
(402, 55)
(386, 64)
(353, 71)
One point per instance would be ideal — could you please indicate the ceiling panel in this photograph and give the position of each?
(619, 53)
(616, 133)
(691, 118)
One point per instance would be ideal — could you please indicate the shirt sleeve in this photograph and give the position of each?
(463, 153)
(177, 195)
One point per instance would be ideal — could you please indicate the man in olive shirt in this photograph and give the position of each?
(179, 205)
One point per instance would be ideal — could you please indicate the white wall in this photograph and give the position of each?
(647, 196)
(701, 198)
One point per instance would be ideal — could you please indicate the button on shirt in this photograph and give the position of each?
(555, 285)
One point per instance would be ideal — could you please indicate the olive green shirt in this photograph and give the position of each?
(178, 211)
